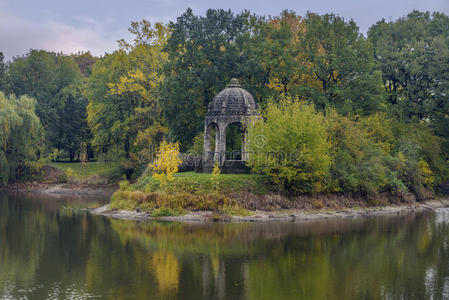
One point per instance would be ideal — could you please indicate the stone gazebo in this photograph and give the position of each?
(232, 106)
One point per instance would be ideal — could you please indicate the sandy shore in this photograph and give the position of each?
(293, 215)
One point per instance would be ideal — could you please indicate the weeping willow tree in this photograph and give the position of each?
(21, 135)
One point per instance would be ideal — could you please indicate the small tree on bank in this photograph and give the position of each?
(166, 163)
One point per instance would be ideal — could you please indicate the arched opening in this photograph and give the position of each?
(211, 141)
(234, 141)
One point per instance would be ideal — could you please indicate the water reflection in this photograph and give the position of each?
(47, 252)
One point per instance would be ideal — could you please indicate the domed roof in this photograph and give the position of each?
(232, 100)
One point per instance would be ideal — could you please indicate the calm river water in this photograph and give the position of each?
(51, 250)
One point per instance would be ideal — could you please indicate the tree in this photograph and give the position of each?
(21, 135)
(413, 55)
(341, 59)
(124, 112)
(360, 152)
(204, 54)
(166, 163)
(291, 146)
(281, 57)
(85, 61)
(55, 82)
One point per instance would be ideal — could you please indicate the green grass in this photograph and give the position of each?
(192, 182)
(188, 191)
(165, 212)
(91, 168)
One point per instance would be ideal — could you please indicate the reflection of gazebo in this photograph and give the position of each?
(233, 106)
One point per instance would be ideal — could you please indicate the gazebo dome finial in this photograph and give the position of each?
(234, 82)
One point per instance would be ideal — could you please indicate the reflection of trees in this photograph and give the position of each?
(387, 259)
(20, 254)
(166, 270)
(334, 260)
(398, 257)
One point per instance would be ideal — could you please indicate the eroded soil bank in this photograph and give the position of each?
(282, 215)
(263, 208)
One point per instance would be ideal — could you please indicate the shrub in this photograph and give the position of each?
(215, 175)
(426, 147)
(69, 173)
(377, 153)
(124, 185)
(198, 144)
(165, 212)
(317, 204)
(166, 163)
(291, 146)
(426, 173)
(359, 159)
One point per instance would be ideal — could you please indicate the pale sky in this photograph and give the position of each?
(96, 25)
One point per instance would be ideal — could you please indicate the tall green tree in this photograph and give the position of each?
(21, 135)
(204, 53)
(279, 52)
(336, 54)
(124, 112)
(413, 55)
(55, 81)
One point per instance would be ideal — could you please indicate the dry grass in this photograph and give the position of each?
(177, 202)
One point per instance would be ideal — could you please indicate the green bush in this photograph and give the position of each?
(302, 151)
(291, 146)
(69, 173)
(359, 154)
(377, 153)
(165, 212)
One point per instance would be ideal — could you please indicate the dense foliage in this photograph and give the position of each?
(124, 113)
(291, 146)
(20, 136)
(363, 114)
(204, 54)
(413, 55)
(55, 81)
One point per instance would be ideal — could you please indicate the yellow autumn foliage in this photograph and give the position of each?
(166, 163)
(215, 174)
(426, 173)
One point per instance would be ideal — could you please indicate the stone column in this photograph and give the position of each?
(220, 149)
(217, 140)
(244, 145)
(206, 149)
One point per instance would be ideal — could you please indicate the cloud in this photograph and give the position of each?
(18, 35)
(71, 26)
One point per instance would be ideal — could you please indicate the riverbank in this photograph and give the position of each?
(61, 189)
(283, 215)
(238, 198)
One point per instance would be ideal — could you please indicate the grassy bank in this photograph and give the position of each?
(192, 182)
(188, 192)
(81, 171)
(233, 194)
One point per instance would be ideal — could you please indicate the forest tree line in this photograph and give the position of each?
(383, 97)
